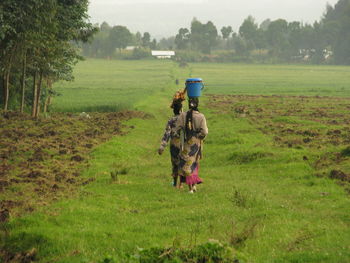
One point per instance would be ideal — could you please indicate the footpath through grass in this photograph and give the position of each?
(268, 206)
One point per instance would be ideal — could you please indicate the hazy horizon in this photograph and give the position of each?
(163, 18)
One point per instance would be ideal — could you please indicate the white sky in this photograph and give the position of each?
(162, 18)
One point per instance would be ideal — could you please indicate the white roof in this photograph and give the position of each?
(130, 47)
(163, 53)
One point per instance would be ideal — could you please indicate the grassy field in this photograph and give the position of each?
(112, 85)
(275, 79)
(260, 194)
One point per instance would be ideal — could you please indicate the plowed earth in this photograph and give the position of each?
(42, 160)
(319, 126)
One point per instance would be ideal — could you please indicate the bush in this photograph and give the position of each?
(140, 53)
(188, 56)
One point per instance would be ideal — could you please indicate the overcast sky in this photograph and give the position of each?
(162, 18)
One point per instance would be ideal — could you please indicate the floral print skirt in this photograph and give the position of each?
(190, 156)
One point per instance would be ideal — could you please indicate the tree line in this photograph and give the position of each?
(42, 40)
(37, 48)
(324, 41)
(110, 41)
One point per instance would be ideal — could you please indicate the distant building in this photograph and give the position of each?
(163, 54)
(130, 48)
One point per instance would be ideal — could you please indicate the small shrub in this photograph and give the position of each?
(239, 199)
(114, 176)
(140, 53)
(118, 169)
(238, 238)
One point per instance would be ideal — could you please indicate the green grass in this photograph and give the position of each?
(254, 191)
(112, 85)
(274, 79)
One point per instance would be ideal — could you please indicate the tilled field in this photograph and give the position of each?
(319, 125)
(41, 160)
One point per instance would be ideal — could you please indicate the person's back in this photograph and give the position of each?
(199, 123)
(192, 129)
(170, 134)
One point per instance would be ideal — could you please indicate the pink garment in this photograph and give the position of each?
(194, 178)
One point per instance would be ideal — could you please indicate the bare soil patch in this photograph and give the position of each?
(41, 160)
(319, 124)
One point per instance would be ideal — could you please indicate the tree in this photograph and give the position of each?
(167, 43)
(240, 45)
(265, 24)
(182, 39)
(226, 32)
(336, 24)
(249, 31)
(36, 36)
(146, 39)
(119, 37)
(153, 44)
(277, 37)
(203, 36)
(105, 27)
(138, 39)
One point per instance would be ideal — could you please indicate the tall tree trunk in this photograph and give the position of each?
(23, 84)
(6, 89)
(37, 111)
(3, 77)
(35, 93)
(48, 98)
(7, 79)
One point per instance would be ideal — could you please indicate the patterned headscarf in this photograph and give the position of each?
(178, 98)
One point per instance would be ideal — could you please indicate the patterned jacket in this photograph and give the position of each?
(170, 132)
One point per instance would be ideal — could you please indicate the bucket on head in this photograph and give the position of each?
(194, 87)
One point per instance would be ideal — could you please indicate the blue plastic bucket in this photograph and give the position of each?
(194, 87)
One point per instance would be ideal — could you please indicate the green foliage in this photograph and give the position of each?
(249, 32)
(37, 41)
(141, 53)
(203, 36)
(109, 38)
(336, 23)
(188, 56)
(146, 40)
(226, 32)
(182, 39)
(119, 37)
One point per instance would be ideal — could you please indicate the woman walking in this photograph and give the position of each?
(192, 129)
(170, 134)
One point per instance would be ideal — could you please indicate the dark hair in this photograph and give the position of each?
(193, 105)
(177, 107)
